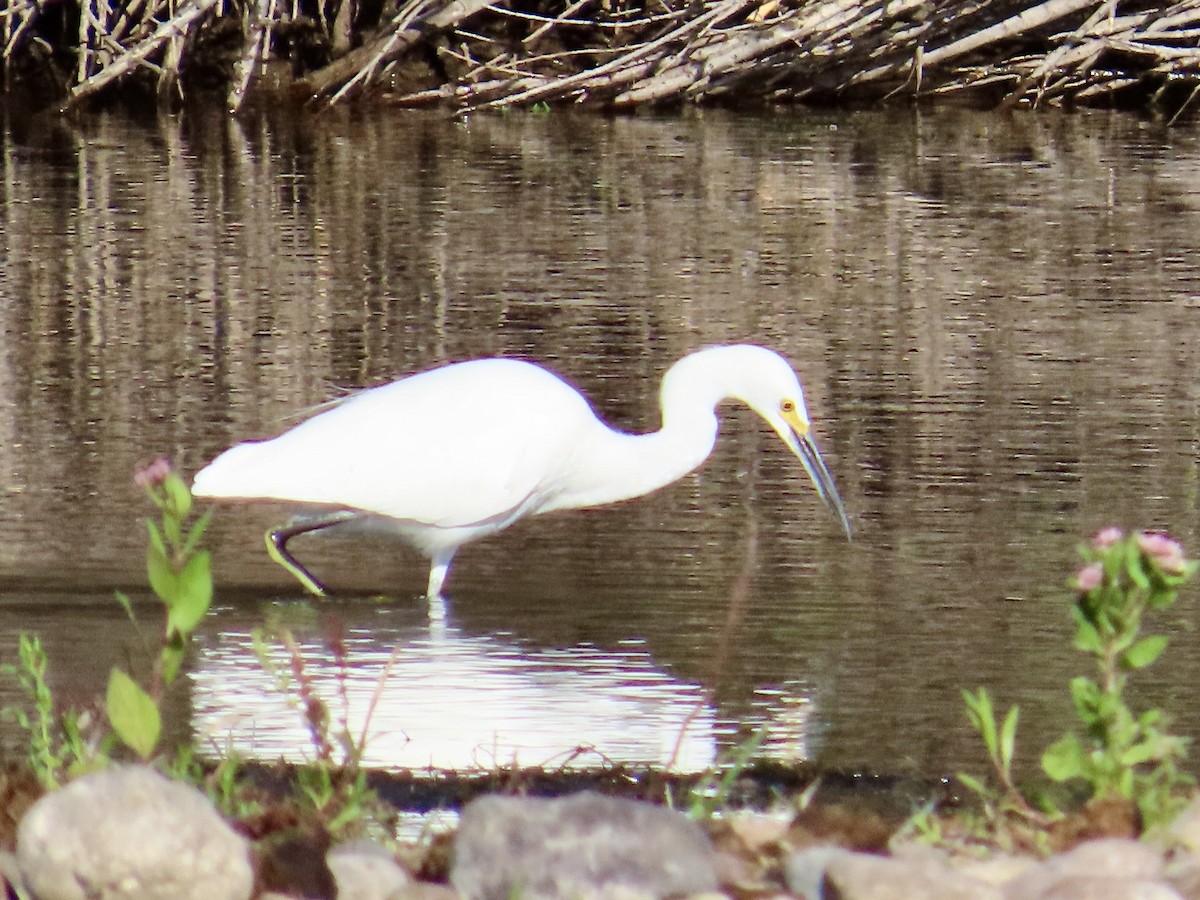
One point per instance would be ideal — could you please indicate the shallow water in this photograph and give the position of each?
(995, 319)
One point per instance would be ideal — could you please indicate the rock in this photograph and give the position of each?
(424, 890)
(10, 875)
(997, 870)
(1091, 887)
(130, 833)
(1183, 874)
(1107, 860)
(804, 870)
(583, 845)
(863, 876)
(758, 830)
(365, 871)
(1185, 830)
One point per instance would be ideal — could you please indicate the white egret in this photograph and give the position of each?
(454, 454)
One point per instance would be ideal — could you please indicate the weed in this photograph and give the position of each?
(333, 783)
(712, 792)
(180, 575)
(56, 741)
(1119, 754)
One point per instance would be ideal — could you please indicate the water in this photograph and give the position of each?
(996, 320)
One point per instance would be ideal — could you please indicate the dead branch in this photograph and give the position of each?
(358, 65)
(178, 26)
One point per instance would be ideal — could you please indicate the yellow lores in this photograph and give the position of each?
(452, 455)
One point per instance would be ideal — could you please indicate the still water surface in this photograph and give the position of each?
(997, 320)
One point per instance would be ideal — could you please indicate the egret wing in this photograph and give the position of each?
(462, 445)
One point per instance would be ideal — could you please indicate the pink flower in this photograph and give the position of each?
(1106, 537)
(1090, 577)
(152, 474)
(1163, 550)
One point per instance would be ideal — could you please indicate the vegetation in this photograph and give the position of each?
(1118, 754)
(333, 784)
(474, 54)
(64, 743)
(331, 790)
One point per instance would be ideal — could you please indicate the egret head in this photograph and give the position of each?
(766, 382)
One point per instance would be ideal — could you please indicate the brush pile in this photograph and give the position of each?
(478, 54)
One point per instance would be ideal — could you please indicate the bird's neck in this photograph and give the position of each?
(618, 466)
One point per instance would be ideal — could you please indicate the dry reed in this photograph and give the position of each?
(480, 54)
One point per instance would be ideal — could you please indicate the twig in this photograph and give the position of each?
(192, 12)
(1053, 60)
(253, 54)
(632, 64)
(387, 46)
(704, 63)
(1011, 27)
(562, 17)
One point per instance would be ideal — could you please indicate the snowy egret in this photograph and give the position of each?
(454, 454)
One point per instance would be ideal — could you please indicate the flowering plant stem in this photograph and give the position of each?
(1121, 754)
(180, 575)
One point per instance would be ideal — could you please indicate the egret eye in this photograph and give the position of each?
(787, 406)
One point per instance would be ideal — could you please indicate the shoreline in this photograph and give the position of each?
(468, 55)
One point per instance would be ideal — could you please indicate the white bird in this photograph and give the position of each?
(457, 453)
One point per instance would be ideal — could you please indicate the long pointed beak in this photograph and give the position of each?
(801, 443)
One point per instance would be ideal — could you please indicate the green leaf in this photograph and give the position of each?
(156, 538)
(983, 719)
(1135, 566)
(1087, 638)
(171, 659)
(1161, 598)
(193, 596)
(1064, 759)
(178, 494)
(132, 713)
(1008, 737)
(1086, 695)
(1144, 652)
(196, 533)
(1141, 753)
(163, 580)
(127, 605)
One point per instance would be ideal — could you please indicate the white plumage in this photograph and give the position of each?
(456, 453)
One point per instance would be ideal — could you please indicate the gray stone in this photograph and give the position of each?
(1183, 874)
(365, 871)
(424, 890)
(1185, 830)
(1114, 860)
(1092, 887)
(131, 834)
(10, 875)
(804, 870)
(863, 876)
(586, 845)
(998, 869)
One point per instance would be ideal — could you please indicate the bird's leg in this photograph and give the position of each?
(437, 573)
(277, 538)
